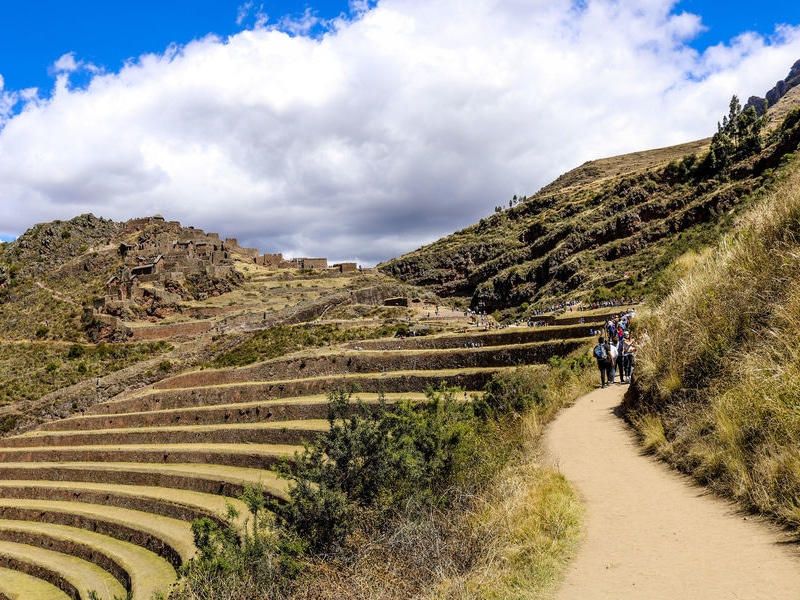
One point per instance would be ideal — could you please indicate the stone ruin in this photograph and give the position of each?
(161, 254)
(164, 252)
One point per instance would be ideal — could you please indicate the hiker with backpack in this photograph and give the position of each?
(602, 352)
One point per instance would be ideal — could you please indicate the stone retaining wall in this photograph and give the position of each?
(87, 553)
(98, 525)
(376, 362)
(170, 332)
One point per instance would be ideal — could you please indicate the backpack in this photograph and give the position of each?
(600, 352)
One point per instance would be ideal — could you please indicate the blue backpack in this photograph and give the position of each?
(600, 352)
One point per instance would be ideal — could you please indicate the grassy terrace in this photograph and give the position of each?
(18, 584)
(182, 504)
(276, 432)
(139, 467)
(73, 575)
(136, 569)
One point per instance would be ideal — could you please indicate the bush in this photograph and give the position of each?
(76, 351)
(510, 394)
(371, 461)
(394, 495)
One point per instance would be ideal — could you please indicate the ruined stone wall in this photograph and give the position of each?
(272, 261)
(346, 267)
(170, 332)
(320, 264)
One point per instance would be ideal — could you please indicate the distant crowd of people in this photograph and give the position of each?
(608, 303)
(615, 351)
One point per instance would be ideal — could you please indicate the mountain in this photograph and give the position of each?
(611, 227)
(156, 375)
(51, 274)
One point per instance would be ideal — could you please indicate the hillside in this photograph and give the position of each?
(90, 307)
(174, 404)
(145, 461)
(610, 227)
(716, 393)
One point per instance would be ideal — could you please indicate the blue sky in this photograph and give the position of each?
(354, 130)
(35, 33)
(725, 20)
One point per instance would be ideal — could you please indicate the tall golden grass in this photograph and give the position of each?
(720, 378)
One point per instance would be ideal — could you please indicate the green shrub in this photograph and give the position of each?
(510, 394)
(9, 422)
(76, 351)
(601, 294)
(371, 461)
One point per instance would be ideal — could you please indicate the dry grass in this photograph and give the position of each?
(597, 172)
(533, 517)
(722, 374)
(510, 542)
(651, 430)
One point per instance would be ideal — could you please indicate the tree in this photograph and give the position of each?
(737, 137)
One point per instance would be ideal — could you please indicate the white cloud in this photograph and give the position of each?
(66, 64)
(243, 12)
(389, 131)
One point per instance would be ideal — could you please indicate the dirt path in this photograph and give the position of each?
(650, 533)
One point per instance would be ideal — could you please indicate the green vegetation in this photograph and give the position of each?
(283, 339)
(718, 383)
(369, 465)
(737, 137)
(426, 498)
(31, 370)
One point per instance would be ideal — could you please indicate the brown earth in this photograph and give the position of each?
(652, 533)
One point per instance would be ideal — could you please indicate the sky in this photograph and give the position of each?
(354, 130)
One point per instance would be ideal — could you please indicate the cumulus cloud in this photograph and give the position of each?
(405, 123)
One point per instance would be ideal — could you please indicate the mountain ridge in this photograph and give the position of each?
(610, 227)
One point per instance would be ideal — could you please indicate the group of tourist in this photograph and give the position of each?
(616, 350)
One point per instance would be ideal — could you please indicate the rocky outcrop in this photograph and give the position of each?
(776, 93)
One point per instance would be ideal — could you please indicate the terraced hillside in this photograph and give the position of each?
(611, 227)
(103, 501)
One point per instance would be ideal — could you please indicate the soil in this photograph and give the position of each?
(652, 533)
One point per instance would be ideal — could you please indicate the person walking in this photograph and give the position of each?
(601, 353)
(628, 354)
(611, 347)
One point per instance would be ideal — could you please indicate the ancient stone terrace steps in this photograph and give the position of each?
(208, 479)
(389, 355)
(140, 467)
(277, 432)
(167, 537)
(136, 569)
(75, 576)
(496, 337)
(303, 413)
(184, 505)
(16, 584)
(255, 456)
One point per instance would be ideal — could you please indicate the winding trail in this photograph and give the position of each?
(652, 534)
